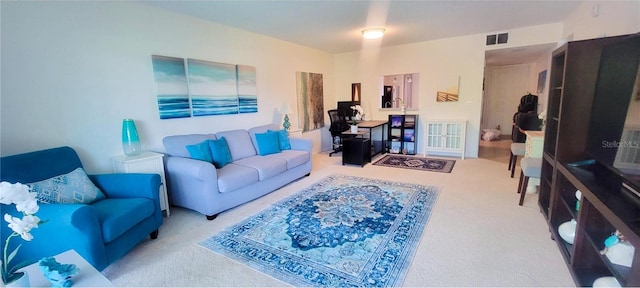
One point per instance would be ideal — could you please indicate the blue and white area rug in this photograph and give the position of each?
(341, 231)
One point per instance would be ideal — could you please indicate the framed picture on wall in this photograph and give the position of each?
(542, 78)
(355, 92)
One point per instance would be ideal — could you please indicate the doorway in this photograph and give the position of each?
(509, 74)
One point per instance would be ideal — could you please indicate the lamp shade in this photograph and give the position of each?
(373, 33)
(286, 109)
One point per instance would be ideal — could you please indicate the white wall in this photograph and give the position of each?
(541, 64)
(436, 62)
(71, 71)
(594, 19)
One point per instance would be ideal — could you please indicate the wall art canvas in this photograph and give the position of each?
(542, 78)
(171, 87)
(213, 88)
(448, 89)
(247, 91)
(310, 100)
(355, 92)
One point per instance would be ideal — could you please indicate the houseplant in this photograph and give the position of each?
(26, 203)
(358, 113)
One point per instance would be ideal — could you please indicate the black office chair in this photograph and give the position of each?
(338, 125)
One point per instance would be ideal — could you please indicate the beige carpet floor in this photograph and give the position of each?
(477, 234)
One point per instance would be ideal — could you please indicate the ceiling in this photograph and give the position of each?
(335, 26)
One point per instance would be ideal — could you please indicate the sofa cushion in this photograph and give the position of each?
(239, 143)
(283, 139)
(220, 152)
(294, 158)
(117, 215)
(233, 176)
(267, 166)
(73, 187)
(176, 145)
(200, 151)
(267, 143)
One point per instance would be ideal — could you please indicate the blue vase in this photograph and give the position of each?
(130, 140)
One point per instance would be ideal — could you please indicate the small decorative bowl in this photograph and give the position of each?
(58, 274)
(567, 231)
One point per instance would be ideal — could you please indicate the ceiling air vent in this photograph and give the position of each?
(501, 38)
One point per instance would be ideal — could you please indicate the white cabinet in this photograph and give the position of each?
(445, 137)
(146, 162)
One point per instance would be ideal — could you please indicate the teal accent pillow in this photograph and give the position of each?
(267, 143)
(200, 151)
(283, 139)
(70, 188)
(220, 152)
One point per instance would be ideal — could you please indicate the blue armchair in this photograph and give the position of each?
(103, 231)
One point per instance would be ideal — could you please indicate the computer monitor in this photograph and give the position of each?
(344, 108)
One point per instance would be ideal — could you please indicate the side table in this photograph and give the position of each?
(356, 151)
(88, 277)
(145, 162)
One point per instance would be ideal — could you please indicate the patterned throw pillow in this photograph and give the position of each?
(73, 187)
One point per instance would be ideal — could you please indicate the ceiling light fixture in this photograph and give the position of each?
(373, 33)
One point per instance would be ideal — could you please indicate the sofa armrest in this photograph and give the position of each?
(301, 144)
(67, 226)
(128, 185)
(187, 168)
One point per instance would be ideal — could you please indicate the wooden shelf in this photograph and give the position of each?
(605, 206)
(403, 134)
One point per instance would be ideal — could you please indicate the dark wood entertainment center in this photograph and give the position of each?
(602, 209)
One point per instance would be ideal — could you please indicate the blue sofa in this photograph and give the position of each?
(198, 185)
(103, 231)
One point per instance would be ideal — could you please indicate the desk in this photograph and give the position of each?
(88, 277)
(377, 144)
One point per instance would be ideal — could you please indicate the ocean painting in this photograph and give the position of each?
(213, 88)
(171, 86)
(310, 100)
(247, 91)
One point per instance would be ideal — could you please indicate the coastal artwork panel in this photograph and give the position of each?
(171, 87)
(310, 100)
(448, 89)
(213, 88)
(247, 91)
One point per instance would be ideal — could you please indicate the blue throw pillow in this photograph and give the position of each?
(283, 139)
(267, 143)
(73, 187)
(200, 151)
(220, 152)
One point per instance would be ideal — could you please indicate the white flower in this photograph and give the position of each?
(23, 226)
(12, 193)
(18, 194)
(542, 115)
(27, 204)
(357, 109)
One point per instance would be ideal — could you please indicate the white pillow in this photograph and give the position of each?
(73, 187)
